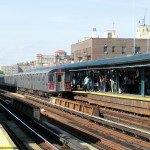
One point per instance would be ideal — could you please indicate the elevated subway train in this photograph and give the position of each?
(39, 82)
(56, 80)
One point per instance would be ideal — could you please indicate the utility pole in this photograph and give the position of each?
(148, 40)
(113, 26)
(134, 27)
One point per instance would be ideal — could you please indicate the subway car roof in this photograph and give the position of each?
(30, 72)
(144, 58)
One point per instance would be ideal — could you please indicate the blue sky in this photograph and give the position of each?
(28, 27)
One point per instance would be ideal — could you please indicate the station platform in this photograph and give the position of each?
(124, 95)
(5, 141)
(126, 102)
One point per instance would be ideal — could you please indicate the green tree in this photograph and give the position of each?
(1, 72)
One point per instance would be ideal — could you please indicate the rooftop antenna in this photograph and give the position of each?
(134, 27)
(113, 25)
(144, 17)
(147, 32)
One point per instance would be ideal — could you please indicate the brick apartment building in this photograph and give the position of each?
(101, 48)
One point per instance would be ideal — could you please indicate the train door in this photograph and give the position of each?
(43, 81)
(39, 81)
(60, 80)
(31, 81)
(22, 81)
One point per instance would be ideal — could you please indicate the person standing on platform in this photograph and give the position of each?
(100, 80)
(103, 84)
(74, 83)
(120, 83)
(113, 83)
(126, 84)
(86, 83)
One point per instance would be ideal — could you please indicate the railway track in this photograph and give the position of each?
(95, 131)
(19, 130)
(45, 136)
(136, 128)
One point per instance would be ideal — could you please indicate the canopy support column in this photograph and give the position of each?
(117, 82)
(92, 82)
(142, 83)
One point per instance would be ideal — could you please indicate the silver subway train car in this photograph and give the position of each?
(44, 82)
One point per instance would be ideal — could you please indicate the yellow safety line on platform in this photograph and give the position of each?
(4, 143)
(112, 95)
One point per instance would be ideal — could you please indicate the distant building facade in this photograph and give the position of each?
(59, 58)
(143, 31)
(10, 69)
(20, 67)
(101, 48)
(42, 60)
(110, 34)
(94, 33)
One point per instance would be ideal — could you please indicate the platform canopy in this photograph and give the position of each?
(109, 63)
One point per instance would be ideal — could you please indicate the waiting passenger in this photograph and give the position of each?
(107, 84)
(74, 83)
(129, 85)
(125, 83)
(96, 84)
(103, 84)
(120, 83)
(100, 80)
(86, 83)
(113, 83)
(136, 85)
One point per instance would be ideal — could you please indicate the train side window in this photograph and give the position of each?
(59, 78)
(43, 77)
(51, 78)
(67, 77)
(38, 77)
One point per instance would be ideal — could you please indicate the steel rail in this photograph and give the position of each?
(53, 147)
(70, 144)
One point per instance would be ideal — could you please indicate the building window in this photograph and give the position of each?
(105, 49)
(137, 50)
(113, 49)
(147, 30)
(84, 53)
(109, 35)
(80, 59)
(88, 57)
(123, 50)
